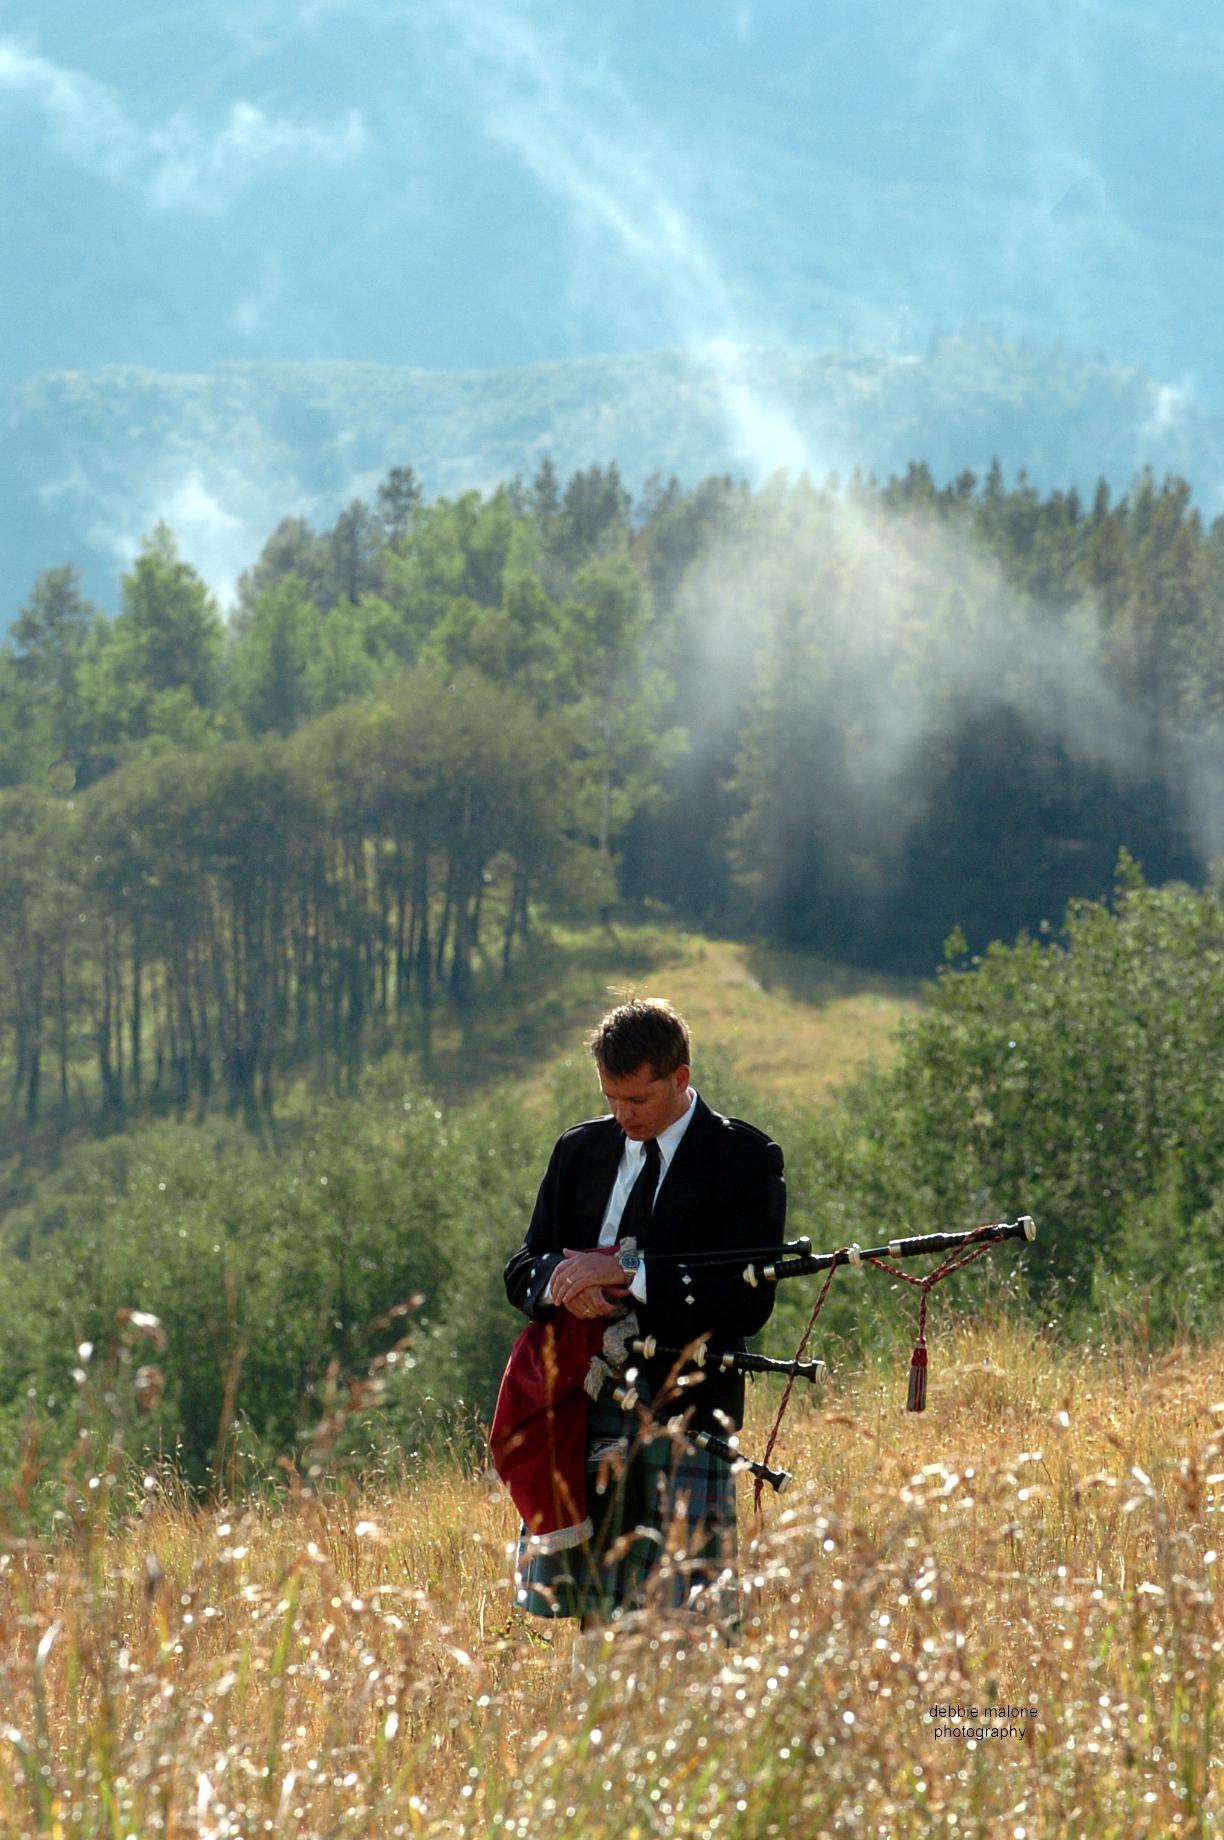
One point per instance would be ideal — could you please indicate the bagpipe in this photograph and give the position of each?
(557, 1367)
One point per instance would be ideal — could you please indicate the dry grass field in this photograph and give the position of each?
(1038, 1553)
(999, 1618)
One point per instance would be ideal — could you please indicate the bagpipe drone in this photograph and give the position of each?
(557, 1367)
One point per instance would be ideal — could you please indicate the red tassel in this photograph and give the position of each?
(918, 1378)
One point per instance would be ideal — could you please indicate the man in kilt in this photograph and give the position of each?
(624, 1199)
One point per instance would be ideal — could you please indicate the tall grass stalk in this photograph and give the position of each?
(328, 1662)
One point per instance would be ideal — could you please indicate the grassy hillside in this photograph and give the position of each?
(1041, 1541)
(787, 1025)
(267, 1257)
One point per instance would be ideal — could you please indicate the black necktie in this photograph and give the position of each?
(635, 1221)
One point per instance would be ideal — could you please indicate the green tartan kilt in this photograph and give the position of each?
(674, 1496)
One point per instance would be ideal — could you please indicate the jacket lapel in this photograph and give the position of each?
(686, 1176)
(595, 1178)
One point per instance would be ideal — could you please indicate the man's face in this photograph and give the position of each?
(644, 1105)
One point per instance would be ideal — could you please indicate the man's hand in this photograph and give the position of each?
(589, 1283)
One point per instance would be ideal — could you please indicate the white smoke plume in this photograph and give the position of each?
(219, 518)
(578, 134)
(914, 624)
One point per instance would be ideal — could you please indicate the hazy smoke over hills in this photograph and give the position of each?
(893, 627)
(898, 626)
(578, 135)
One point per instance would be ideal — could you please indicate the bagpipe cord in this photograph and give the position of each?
(916, 1399)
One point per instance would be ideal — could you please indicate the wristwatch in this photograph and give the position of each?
(629, 1262)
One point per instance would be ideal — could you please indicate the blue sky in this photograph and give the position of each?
(468, 183)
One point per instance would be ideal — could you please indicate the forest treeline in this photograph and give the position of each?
(850, 716)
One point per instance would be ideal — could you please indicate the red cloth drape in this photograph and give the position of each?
(538, 1437)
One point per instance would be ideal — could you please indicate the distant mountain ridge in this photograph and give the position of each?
(92, 459)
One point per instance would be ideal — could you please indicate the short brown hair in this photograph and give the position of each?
(645, 1029)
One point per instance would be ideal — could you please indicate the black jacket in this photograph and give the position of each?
(723, 1188)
